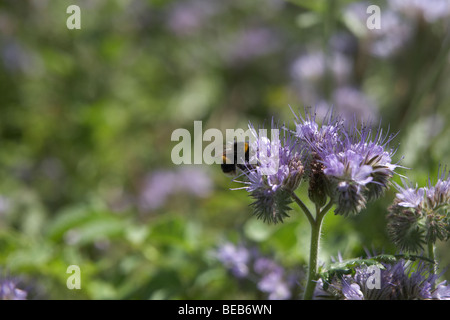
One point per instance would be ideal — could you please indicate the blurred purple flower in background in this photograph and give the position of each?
(309, 70)
(234, 258)
(160, 185)
(385, 42)
(312, 67)
(188, 17)
(309, 67)
(5, 205)
(250, 43)
(274, 284)
(344, 43)
(352, 103)
(273, 279)
(393, 35)
(429, 10)
(15, 57)
(9, 290)
(268, 275)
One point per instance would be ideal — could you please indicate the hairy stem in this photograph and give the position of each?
(431, 256)
(304, 208)
(314, 251)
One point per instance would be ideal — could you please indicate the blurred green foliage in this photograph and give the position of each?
(87, 116)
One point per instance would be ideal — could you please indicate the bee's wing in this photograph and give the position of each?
(228, 153)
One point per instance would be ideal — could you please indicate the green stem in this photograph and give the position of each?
(304, 208)
(314, 251)
(431, 256)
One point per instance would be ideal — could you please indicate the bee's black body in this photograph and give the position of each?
(230, 168)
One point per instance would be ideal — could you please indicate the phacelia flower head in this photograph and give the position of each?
(376, 153)
(367, 160)
(420, 215)
(438, 195)
(350, 174)
(355, 162)
(276, 170)
(313, 138)
(409, 197)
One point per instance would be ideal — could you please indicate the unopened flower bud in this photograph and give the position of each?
(349, 199)
(296, 171)
(318, 183)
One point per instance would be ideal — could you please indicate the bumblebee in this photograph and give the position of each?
(228, 166)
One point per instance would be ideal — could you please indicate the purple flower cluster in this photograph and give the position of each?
(354, 162)
(420, 215)
(349, 164)
(277, 172)
(402, 280)
(249, 264)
